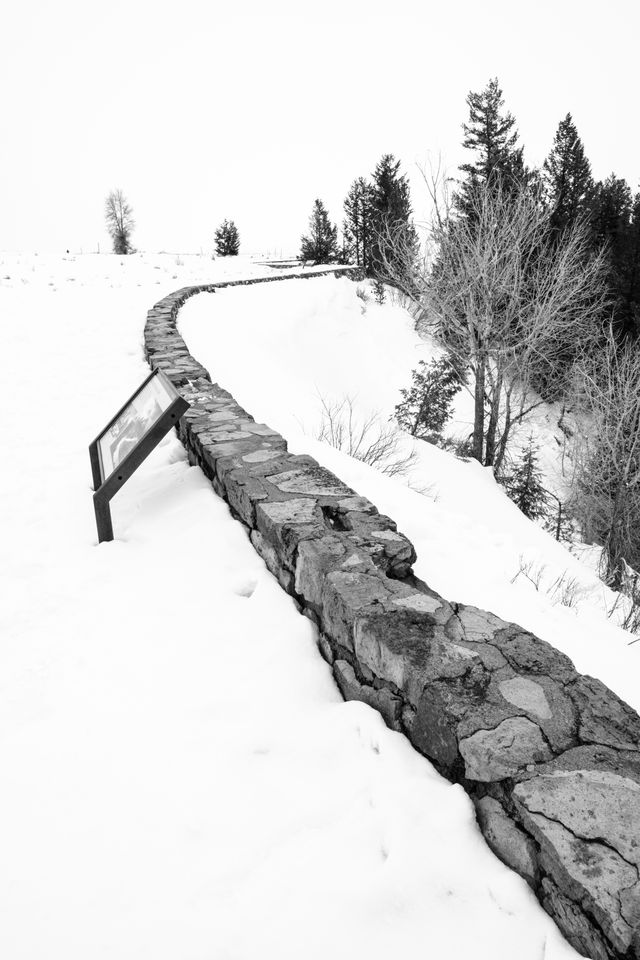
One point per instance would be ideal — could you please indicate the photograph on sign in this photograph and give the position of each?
(138, 417)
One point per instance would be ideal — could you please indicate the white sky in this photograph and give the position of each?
(205, 110)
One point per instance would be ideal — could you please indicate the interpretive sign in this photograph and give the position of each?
(128, 439)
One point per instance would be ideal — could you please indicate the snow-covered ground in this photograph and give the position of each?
(179, 779)
(283, 347)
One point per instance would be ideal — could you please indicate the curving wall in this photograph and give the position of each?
(550, 758)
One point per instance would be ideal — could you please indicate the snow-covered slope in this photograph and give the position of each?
(282, 347)
(179, 778)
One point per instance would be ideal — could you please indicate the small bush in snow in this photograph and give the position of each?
(565, 590)
(369, 440)
(426, 405)
(530, 571)
(378, 290)
(363, 295)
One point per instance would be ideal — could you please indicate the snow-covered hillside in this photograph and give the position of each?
(179, 776)
(282, 347)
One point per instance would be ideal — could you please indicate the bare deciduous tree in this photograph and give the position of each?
(503, 301)
(120, 222)
(607, 456)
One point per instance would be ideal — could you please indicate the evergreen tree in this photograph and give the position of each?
(227, 239)
(321, 245)
(567, 177)
(391, 218)
(632, 272)
(524, 484)
(611, 211)
(614, 225)
(358, 222)
(426, 405)
(492, 136)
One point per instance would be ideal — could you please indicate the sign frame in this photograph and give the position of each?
(106, 487)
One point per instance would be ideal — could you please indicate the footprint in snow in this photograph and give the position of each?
(246, 589)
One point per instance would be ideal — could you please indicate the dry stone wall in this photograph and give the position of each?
(550, 758)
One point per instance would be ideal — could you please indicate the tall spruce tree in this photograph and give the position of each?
(321, 245)
(492, 135)
(358, 222)
(391, 217)
(567, 177)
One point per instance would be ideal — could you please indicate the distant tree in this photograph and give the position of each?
(567, 177)
(321, 245)
(227, 239)
(120, 222)
(391, 215)
(492, 136)
(524, 484)
(426, 405)
(358, 223)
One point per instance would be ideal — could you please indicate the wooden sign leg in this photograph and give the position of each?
(103, 518)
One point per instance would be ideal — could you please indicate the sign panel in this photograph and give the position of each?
(128, 439)
(141, 413)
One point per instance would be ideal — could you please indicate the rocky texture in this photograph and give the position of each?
(549, 757)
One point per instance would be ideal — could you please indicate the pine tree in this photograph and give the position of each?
(426, 405)
(391, 217)
(321, 245)
(358, 225)
(567, 177)
(612, 223)
(524, 484)
(491, 134)
(227, 239)
(632, 272)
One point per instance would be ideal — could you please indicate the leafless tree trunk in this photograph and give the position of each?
(607, 455)
(502, 300)
(120, 222)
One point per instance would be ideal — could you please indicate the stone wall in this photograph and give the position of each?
(550, 758)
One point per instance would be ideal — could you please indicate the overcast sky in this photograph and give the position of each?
(251, 109)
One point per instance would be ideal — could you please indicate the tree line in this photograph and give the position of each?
(120, 226)
(528, 281)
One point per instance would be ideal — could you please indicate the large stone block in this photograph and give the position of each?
(604, 717)
(493, 755)
(287, 523)
(506, 839)
(310, 480)
(345, 597)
